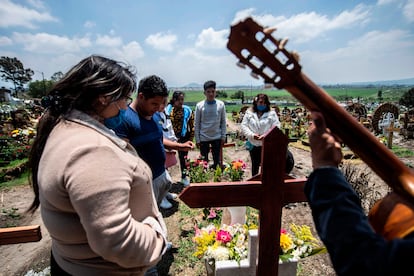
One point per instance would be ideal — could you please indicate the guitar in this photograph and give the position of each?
(267, 57)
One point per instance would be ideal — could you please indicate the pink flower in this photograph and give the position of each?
(212, 214)
(283, 231)
(197, 231)
(223, 236)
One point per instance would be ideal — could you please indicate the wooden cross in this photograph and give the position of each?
(267, 192)
(390, 131)
(21, 234)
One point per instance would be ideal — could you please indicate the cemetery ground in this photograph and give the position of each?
(17, 259)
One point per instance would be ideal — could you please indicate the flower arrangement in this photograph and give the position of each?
(228, 242)
(235, 170)
(210, 240)
(298, 243)
(198, 170)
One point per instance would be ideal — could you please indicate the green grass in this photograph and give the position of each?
(402, 152)
(369, 94)
(19, 181)
(15, 163)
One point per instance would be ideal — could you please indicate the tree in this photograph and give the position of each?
(11, 69)
(56, 76)
(238, 95)
(408, 98)
(379, 95)
(39, 88)
(221, 94)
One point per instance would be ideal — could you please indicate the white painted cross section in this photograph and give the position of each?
(248, 266)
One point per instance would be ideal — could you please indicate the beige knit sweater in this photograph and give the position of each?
(97, 201)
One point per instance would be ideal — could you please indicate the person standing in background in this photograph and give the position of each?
(210, 124)
(257, 121)
(95, 192)
(182, 119)
(170, 155)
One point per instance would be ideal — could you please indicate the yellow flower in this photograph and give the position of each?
(298, 243)
(203, 240)
(302, 232)
(285, 242)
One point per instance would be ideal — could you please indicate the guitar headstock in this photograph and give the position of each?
(265, 55)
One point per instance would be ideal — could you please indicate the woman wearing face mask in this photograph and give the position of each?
(257, 121)
(95, 192)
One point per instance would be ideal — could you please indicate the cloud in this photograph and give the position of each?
(131, 52)
(305, 27)
(408, 10)
(12, 15)
(387, 52)
(384, 2)
(44, 43)
(108, 41)
(38, 4)
(89, 24)
(5, 41)
(161, 41)
(211, 39)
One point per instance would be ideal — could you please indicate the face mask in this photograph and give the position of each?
(115, 121)
(261, 108)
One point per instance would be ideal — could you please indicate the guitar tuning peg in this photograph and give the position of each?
(254, 75)
(269, 31)
(296, 56)
(283, 43)
(241, 64)
(268, 85)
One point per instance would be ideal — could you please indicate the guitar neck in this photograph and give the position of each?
(267, 57)
(358, 138)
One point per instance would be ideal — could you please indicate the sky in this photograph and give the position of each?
(184, 41)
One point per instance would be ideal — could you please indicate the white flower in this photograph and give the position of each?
(241, 239)
(220, 253)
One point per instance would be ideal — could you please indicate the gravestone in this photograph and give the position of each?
(268, 192)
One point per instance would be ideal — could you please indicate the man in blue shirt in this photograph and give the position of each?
(142, 127)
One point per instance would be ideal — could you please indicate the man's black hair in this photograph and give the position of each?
(153, 86)
(209, 84)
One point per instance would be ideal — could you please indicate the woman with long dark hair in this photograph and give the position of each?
(95, 192)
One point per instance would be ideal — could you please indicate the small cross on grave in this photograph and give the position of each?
(268, 192)
(390, 130)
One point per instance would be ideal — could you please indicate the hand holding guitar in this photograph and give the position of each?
(267, 57)
(354, 247)
(326, 150)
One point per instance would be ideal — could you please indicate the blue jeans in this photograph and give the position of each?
(161, 185)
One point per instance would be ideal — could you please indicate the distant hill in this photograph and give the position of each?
(402, 82)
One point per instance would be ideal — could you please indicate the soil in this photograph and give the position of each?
(17, 259)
